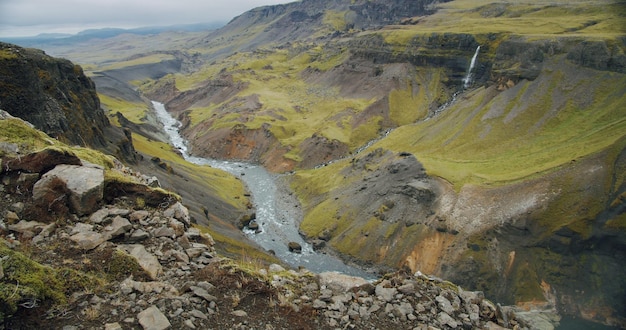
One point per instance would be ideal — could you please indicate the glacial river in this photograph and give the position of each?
(278, 226)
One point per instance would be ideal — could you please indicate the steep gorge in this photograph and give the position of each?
(514, 186)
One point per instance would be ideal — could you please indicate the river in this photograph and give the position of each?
(276, 220)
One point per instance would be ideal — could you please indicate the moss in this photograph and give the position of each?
(121, 265)
(26, 281)
(28, 139)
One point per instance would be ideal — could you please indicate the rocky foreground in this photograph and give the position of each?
(79, 250)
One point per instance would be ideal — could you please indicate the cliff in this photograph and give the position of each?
(55, 95)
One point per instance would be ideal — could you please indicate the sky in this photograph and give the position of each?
(19, 18)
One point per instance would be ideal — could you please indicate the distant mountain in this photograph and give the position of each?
(62, 39)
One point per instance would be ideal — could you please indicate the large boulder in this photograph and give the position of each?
(82, 185)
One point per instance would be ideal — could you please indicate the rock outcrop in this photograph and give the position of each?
(55, 95)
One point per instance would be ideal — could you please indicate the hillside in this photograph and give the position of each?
(506, 177)
(86, 241)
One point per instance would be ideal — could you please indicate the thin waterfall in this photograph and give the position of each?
(468, 78)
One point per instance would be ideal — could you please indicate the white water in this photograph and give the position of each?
(277, 225)
(469, 77)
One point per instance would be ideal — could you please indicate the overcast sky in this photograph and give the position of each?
(32, 17)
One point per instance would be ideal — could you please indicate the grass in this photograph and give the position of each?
(602, 18)
(295, 109)
(247, 254)
(135, 112)
(138, 60)
(533, 132)
(220, 183)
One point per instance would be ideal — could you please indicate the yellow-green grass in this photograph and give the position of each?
(406, 106)
(135, 112)
(603, 19)
(26, 138)
(335, 19)
(148, 59)
(239, 248)
(221, 184)
(274, 77)
(469, 145)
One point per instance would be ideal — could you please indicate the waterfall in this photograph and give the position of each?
(468, 78)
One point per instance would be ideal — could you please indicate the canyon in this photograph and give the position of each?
(488, 152)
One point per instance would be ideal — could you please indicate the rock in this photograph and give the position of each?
(17, 207)
(81, 228)
(44, 233)
(385, 294)
(446, 319)
(203, 293)
(88, 240)
(339, 282)
(148, 262)
(40, 162)
(139, 235)
(99, 216)
(240, 313)
(178, 212)
(164, 232)
(253, 225)
(294, 247)
(153, 319)
(119, 226)
(112, 326)
(444, 304)
(84, 184)
(198, 314)
(138, 215)
(26, 226)
(318, 244)
(274, 268)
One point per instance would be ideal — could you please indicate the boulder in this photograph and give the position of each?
(294, 247)
(339, 282)
(83, 184)
(147, 261)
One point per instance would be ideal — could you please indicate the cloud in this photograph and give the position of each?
(30, 17)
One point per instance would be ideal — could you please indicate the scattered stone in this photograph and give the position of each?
(153, 319)
(179, 212)
(112, 326)
(26, 226)
(119, 226)
(203, 293)
(240, 313)
(294, 247)
(88, 240)
(148, 262)
(339, 282)
(137, 216)
(274, 268)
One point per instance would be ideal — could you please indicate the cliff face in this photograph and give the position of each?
(55, 95)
